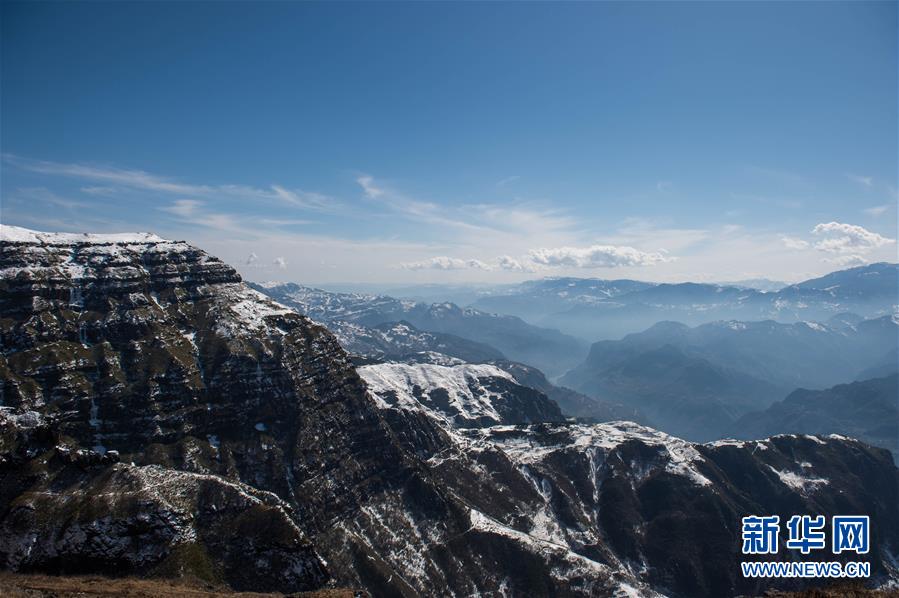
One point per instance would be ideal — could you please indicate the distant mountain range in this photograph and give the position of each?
(695, 382)
(402, 342)
(608, 309)
(867, 410)
(549, 350)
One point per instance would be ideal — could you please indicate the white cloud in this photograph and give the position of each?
(252, 258)
(847, 261)
(280, 262)
(664, 185)
(865, 181)
(847, 238)
(794, 243)
(505, 262)
(596, 256)
(446, 263)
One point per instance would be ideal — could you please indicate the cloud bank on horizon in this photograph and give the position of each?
(573, 149)
(484, 230)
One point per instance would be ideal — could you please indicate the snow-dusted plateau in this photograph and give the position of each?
(159, 417)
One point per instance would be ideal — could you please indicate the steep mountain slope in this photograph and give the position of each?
(621, 497)
(598, 309)
(152, 352)
(868, 410)
(686, 395)
(463, 396)
(548, 350)
(159, 417)
(401, 341)
(572, 403)
(157, 351)
(695, 382)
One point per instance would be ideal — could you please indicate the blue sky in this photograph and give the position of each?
(448, 142)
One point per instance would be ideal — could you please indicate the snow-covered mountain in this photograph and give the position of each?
(548, 350)
(460, 396)
(401, 341)
(160, 418)
(616, 500)
(404, 343)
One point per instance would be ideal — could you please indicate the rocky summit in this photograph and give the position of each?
(160, 418)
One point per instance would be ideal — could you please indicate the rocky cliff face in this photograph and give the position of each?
(158, 417)
(156, 353)
(459, 396)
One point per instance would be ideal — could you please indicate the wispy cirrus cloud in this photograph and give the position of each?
(794, 243)
(369, 187)
(114, 180)
(418, 210)
(663, 186)
(185, 208)
(507, 181)
(877, 210)
(864, 181)
(46, 196)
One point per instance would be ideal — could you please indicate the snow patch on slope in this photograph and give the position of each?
(17, 234)
(798, 481)
(397, 384)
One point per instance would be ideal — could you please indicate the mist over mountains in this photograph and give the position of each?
(550, 350)
(595, 309)
(867, 409)
(695, 382)
(691, 380)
